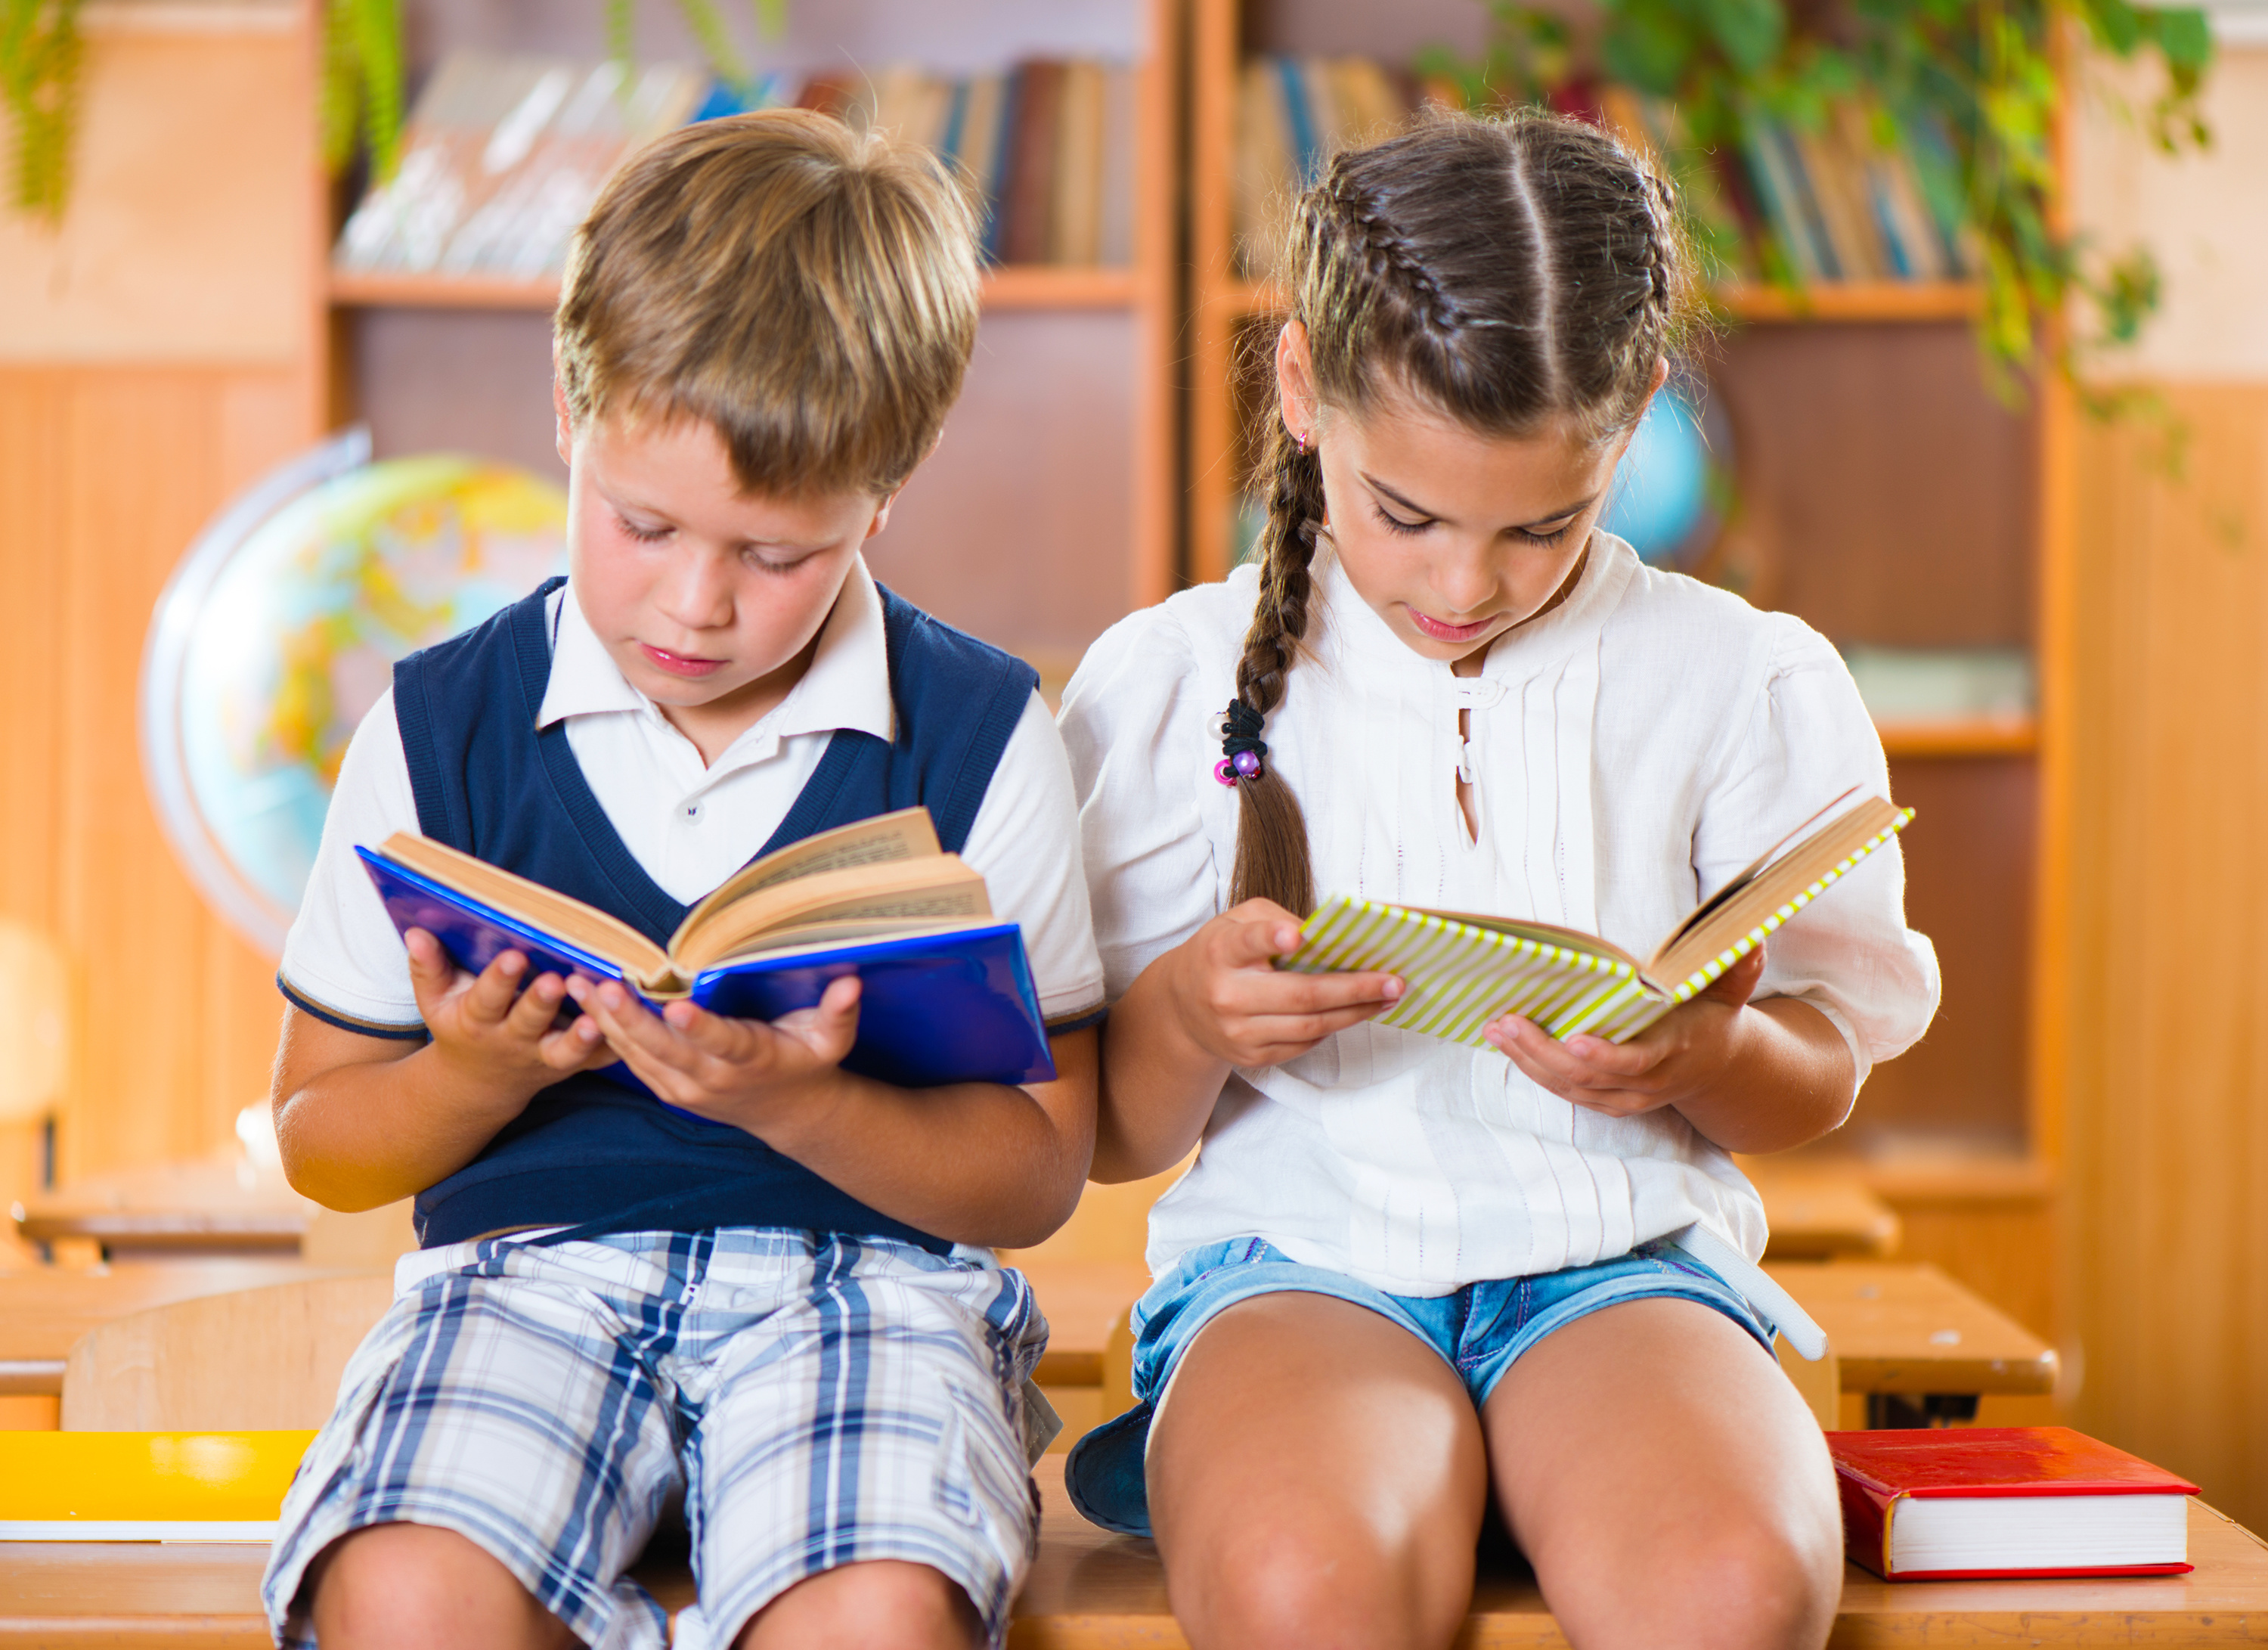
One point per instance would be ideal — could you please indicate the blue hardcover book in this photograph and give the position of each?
(947, 994)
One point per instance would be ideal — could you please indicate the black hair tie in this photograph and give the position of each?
(1240, 745)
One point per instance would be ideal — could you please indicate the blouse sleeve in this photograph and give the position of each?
(1850, 954)
(1135, 724)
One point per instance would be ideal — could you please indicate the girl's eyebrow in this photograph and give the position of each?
(1378, 486)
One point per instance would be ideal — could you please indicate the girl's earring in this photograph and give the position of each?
(1300, 442)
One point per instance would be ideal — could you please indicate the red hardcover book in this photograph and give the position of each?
(1931, 1505)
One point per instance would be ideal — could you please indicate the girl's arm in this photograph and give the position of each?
(1750, 1076)
(1212, 1004)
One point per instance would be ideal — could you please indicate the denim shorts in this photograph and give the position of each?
(1479, 1330)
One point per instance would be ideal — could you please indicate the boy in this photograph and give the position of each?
(753, 1299)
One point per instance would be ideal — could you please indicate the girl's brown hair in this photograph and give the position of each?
(1513, 273)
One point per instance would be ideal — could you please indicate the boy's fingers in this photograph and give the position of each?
(715, 1034)
(491, 997)
(531, 1014)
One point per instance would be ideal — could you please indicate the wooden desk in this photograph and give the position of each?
(1089, 1590)
(212, 1206)
(1821, 1212)
(1922, 1348)
(44, 1310)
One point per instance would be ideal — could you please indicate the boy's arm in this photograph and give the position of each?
(985, 1163)
(365, 1120)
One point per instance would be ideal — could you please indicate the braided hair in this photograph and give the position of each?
(1515, 273)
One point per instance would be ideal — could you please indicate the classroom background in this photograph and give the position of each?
(2057, 599)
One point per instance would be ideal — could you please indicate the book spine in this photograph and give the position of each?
(1030, 194)
(1003, 162)
(1119, 166)
(1866, 1525)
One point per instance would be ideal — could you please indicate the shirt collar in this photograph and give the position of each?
(847, 685)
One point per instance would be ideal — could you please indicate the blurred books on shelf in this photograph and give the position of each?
(504, 155)
(1837, 206)
(1947, 700)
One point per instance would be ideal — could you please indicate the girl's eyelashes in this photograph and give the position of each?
(1553, 537)
(1393, 523)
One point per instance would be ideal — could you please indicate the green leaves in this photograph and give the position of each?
(1968, 88)
(360, 98)
(39, 60)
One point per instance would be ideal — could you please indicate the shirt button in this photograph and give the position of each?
(693, 810)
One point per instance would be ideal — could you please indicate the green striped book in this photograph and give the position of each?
(1461, 971)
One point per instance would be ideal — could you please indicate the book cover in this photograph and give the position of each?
(953, 1006)
(145, 1486)
(1955, 1503)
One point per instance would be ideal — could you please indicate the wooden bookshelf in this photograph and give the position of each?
(1962, 736)
(1030, 448)
(1028, 286)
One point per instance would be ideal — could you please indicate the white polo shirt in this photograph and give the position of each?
(689, 826)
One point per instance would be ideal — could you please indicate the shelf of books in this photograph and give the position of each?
(1063, 127)
(1009, 286)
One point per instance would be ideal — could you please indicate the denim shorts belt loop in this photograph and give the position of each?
(1479, 1330)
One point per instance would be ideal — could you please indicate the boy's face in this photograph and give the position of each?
(708, 600)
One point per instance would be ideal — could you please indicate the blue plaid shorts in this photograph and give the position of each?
(816, 1400)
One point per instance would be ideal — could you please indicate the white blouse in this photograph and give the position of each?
(1632, 751)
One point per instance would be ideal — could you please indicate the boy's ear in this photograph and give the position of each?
(562, 429)
(882, 510)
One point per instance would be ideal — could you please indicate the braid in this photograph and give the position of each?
(1271, 835)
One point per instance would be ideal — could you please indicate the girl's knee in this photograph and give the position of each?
(402, 1584)
(1287, 1588)
(1762, 1583)
(881, 1605)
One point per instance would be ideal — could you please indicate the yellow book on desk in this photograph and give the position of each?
(145, 1486)
(1461, 971)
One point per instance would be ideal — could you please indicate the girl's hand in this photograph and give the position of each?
(748, 1072)
(1236, 1007)
(1673, 1060)
(488, 1027)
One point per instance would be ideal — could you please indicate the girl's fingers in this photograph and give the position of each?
(1259, 996)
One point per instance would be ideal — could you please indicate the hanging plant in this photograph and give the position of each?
(1968, 88)
(39, 59)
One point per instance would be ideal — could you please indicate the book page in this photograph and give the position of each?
(1702, 912)
(1763, 894)
(547, 909)
(786, 942)
(938, 887)
(885, 839)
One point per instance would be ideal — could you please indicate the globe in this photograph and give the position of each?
(280, 629)
(1666, 492)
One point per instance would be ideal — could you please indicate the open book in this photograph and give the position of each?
(1461, 971)
(947, 993)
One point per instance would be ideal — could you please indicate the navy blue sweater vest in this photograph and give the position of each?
(588, 1154)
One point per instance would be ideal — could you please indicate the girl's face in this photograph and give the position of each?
(1451, 536)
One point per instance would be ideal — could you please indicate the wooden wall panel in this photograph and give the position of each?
(110, 472)
(2167, 1107)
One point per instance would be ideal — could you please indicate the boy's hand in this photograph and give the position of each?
(487, 1025)
(1236, 1007)
(1673, 1060)
(748, 1072)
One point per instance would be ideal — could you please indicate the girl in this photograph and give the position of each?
(1405, 1275)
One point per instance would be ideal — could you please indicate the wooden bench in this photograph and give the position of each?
(222, 1206)
(1821, 1210)
(1089, 1590)
(45, 1310)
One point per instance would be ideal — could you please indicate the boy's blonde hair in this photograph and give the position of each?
(808, 290)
